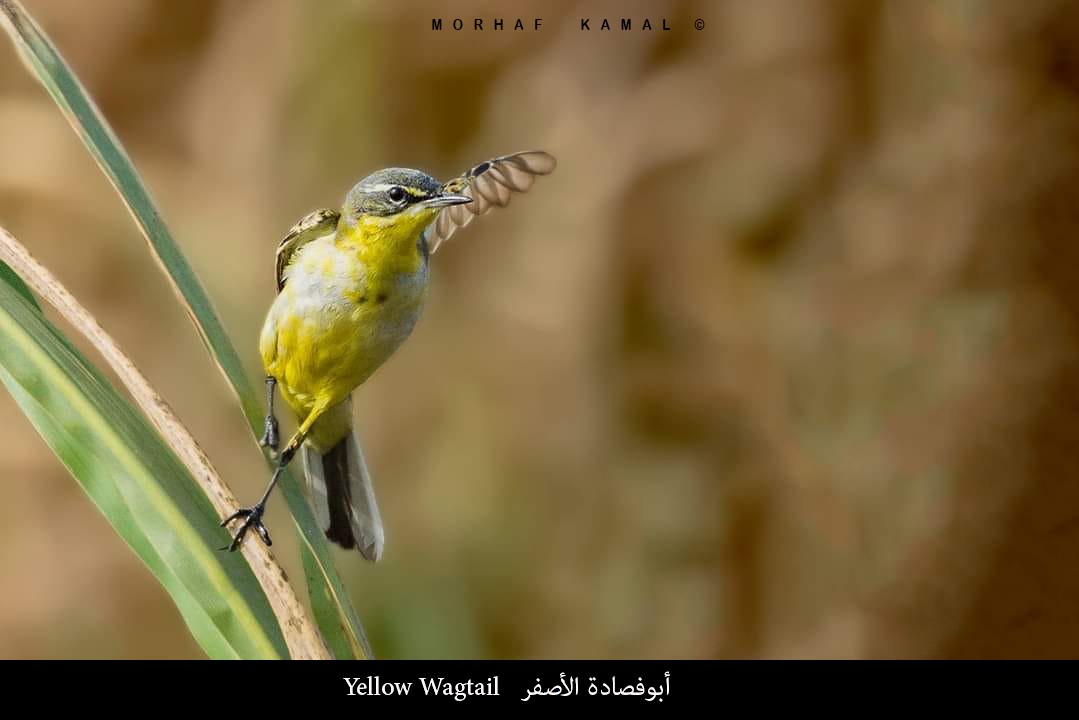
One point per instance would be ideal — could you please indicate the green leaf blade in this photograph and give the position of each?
(86, 119)
(134, 479)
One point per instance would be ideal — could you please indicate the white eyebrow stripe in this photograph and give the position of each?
(383, 187)
(378, 187)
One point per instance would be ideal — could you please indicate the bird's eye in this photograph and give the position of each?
(397, 194)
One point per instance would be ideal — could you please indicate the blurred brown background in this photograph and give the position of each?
(783, 360)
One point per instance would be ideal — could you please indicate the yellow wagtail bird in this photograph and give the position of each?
(351, 284)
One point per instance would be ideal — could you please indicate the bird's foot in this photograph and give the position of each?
(252, 518)
(270, 436)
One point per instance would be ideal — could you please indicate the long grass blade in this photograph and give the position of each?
(136, 481)
(42, 57)
(323, 605)
(301, 637)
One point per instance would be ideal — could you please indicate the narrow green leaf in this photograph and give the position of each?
(9, 276)
(62, 84)
(136, 481)
(324, 605)
(301, 637)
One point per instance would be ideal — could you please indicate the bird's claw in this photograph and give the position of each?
(252, 518)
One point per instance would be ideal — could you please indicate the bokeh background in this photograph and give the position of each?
(782, 361)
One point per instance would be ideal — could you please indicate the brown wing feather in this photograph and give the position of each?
(312, 226)
(492, 184)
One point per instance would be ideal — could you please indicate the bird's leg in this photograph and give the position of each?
(270, 435)
(252, 516)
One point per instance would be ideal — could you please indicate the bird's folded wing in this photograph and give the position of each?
(311, 227)
(491, 184)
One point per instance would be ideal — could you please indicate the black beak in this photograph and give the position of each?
(446, 199)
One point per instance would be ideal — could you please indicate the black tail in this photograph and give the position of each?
(338, 497)
(343, 497)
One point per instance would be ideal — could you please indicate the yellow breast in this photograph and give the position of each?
(349, 302)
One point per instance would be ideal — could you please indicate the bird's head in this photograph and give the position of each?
(399, 197)
(391, 207)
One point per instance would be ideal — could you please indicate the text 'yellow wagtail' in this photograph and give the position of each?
(351, 284)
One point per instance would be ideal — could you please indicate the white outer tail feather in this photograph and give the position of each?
(359, 504)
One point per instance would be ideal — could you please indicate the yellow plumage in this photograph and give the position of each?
(350, 300)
